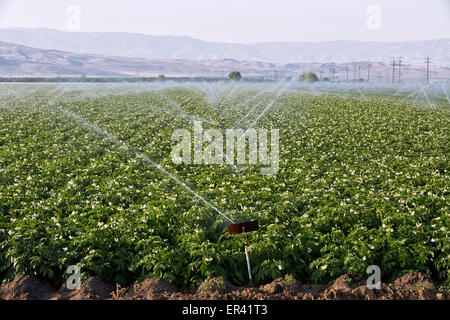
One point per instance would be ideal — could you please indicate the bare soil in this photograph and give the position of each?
(412, 286)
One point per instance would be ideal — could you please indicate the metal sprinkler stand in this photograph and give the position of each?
(244, 227)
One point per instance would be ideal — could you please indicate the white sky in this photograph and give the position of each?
(241, 20)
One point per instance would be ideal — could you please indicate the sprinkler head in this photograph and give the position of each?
(237, 228)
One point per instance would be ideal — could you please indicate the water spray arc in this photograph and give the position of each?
(233, 228)
(140, 155)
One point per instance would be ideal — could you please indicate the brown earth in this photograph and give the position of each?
(412, 286)
(26, 288)
(93, 288)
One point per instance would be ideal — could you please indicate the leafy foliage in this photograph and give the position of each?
(361, 182)
(235, 75)
(308, 77)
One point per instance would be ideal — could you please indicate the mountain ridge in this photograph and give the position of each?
(139, 45)
(23, 61)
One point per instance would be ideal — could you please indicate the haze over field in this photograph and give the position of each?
(210, 39)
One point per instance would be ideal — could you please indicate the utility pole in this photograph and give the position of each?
(347, 71)
(359, 71)
(427, 61)
(368, 71)
(331, 71)
(393, 69)
(354, 72)
(400, 69)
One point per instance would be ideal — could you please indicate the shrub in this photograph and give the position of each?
(308, 77)
(235, 75)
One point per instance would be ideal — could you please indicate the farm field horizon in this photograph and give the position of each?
(362, 180)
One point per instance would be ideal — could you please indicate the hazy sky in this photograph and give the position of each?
(240, 20)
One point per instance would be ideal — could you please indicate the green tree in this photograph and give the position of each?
(308, 77)
(235, 75)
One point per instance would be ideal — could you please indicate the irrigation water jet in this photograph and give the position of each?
(140, 155)
(233, 228)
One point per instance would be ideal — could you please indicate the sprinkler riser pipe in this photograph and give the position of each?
(244, 227)
(248, 265)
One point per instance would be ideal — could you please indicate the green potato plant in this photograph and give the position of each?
(361, 182)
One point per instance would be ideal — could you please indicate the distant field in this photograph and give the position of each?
(363, 179)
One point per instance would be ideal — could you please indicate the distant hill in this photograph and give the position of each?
(174, 47)
(19, 61)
